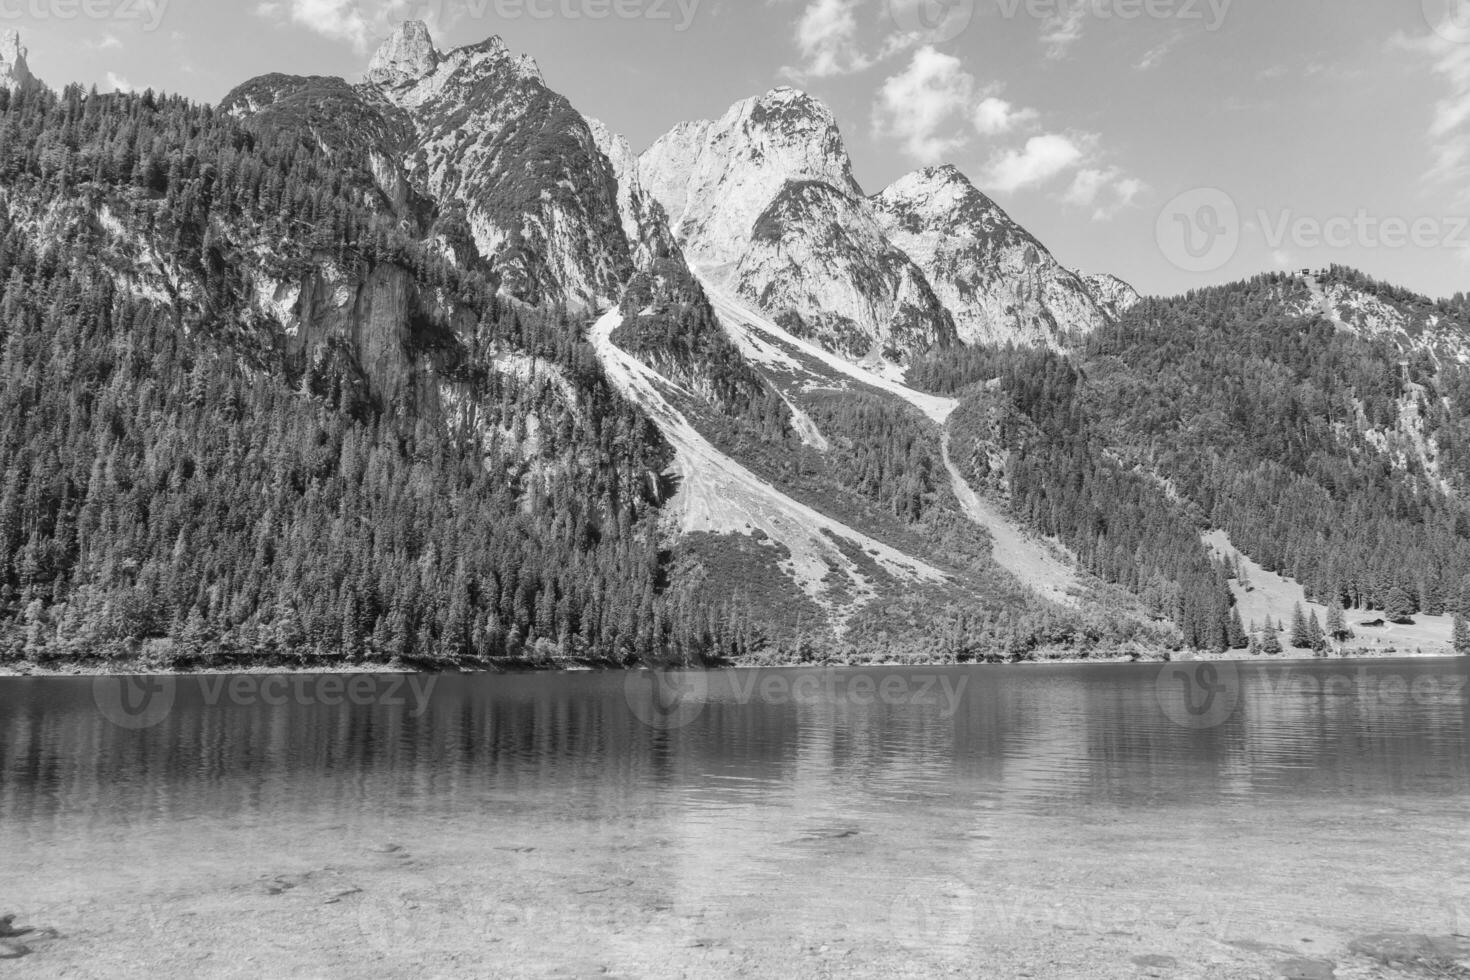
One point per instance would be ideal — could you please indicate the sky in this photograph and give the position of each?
(1175, 143)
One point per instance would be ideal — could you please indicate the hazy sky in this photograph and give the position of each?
(1300, 132)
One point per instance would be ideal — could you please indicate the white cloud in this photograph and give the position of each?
(1042, 159)
(1155, 56)
(1064, 28)
(1088, 183)
(1105, 190)
(360, 23)
(934, 107)
(1449, 127)
(928, 21)
(119, 84)
(826, 34)
(920, 103)
(109, 42)
(995, 117)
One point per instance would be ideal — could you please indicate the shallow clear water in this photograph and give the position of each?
(550, 823)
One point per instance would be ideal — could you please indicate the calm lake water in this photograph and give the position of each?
(1073, 820)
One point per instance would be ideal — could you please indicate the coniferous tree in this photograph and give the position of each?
(1398, 606)
(1301, 637)
(1462, 635)
(1337, 627)
(1239, 639)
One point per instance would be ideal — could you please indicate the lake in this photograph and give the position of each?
(1206, 820)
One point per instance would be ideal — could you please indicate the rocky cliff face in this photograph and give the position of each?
(645, 226)
(515, 176)
(539, 197)
(1000, 283)
(764, 202)
(820, 263)
(14, 71)
(1114, 295)
(716, 178)
(404, 58)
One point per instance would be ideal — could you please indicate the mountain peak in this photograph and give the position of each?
(787, 105)
(923, 182)
(13, 68)
(406, 56)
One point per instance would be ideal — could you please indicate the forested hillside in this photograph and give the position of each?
(1332, 456)
(295, 380)
(175, 470)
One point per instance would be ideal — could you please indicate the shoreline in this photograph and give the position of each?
(140, 669)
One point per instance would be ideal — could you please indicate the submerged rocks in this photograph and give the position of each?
(1434, 955)
(11, 946)
(1300, 968)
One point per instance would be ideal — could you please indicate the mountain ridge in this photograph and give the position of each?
(802, 423)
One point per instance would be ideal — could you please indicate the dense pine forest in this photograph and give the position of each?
(1334, 458)
(179, 483)
(259, 406)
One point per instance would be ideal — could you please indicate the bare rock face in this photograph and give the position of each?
(644, 223)
(764, 203)
(822, 265)
(539, 197)
(1113, 294)
(14, 72)
(715, 178)
(1000, 283)
(407, 56)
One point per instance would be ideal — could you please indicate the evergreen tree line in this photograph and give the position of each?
(170, 489)
(1215, 410)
